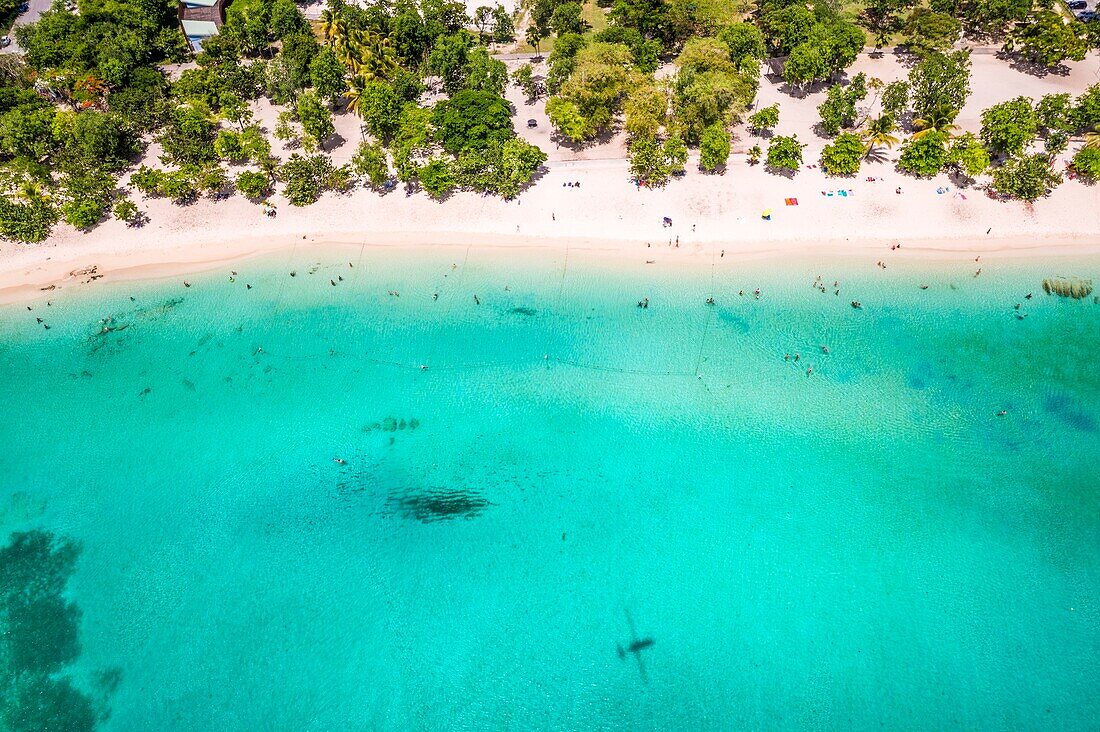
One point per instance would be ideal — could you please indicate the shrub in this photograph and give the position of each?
(714, 148)
(1087, 163)
(764, 119)
(252, 184)
(843, 156)
(785, 153)
(1027, 178)
(147, 180)
(924, 156)
(125, 210)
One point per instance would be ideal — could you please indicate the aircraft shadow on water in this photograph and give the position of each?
(635, 647)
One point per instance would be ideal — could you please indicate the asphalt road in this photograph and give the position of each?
(37, 8)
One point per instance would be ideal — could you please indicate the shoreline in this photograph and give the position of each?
(39, 272)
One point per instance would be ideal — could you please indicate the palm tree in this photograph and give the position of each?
(880, 134)
(1092, 138)
(32, 191)
(333, 27)
(534, 35)
(354, 94)
(352, 54)
(934, 122)
(379, 60)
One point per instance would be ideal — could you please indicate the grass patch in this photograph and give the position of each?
(591, 13)
(595, 16)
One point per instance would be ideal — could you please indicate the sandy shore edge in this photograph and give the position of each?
(40, 272)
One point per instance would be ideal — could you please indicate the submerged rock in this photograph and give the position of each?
(439, 504)
(392, 424)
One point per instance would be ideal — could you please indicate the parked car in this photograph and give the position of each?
(1077, 5)
(1086, 15)
(532, 123)
(5, 42)
(24, 7)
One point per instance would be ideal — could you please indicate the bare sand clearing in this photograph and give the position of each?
(710, 213)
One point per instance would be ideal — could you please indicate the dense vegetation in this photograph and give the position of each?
(91, 98)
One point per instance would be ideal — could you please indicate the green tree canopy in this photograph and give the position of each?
(1008, 127)
(1027, 177)
(843, 156)
(595, 91)
(449, 60)
(804, 65)
(306, 177)
(968, 155)
(745, 43)
(784, 153)
(926, 30)
(437, 178)
(1055, 112)
(648, 162)
(940, 85)
(472, 119)
(764, 118)
(1087, 163)
(708, 89)
(370, 164)
(567, 19)
(326, 74)
(1047, 39)
(924, 156)
(253, 184)
(714, 148)
(839, 108)
(895, 98)
(484, 73)
(316, 119)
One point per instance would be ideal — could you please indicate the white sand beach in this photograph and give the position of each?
(607, 211)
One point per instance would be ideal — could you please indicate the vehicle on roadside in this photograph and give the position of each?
(5, 42)
(1086, 15)
(24, 7)
(1077, 5)
(532, 123)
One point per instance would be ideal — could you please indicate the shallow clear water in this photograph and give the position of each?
(869, 545)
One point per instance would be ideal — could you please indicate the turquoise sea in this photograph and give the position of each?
(311, 506)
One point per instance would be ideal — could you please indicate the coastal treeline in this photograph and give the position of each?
(93, 93)
(1017, 144)
(598, 81)
(108, 105)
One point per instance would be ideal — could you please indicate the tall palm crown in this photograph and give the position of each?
(1092, 138)
(354, 94)
(880, 133)
(933, 123)
(333, 27)
(369, 55)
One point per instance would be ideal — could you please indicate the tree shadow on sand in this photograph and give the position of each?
(781, 172)
(332, 142)
(603, 138)
(1032, 68)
